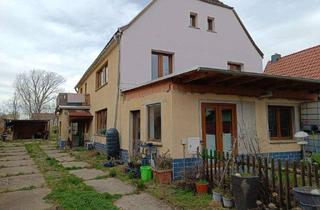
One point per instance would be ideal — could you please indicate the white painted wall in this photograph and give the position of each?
(165, 26)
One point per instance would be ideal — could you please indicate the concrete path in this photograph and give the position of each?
(112, 186)
(22, 186)
(141, 202)
(88, 174)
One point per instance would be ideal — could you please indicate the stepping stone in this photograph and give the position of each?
(87, 174)
(19, 170)
(75, 164)
(15, 163)
(30, 199)
(19, 182)
(66, 159)
(11, 158)
(13, 153)
(112, 186)
(140, 202)
(58, 155)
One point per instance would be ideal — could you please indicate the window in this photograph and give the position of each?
(280, 122)
(161, 64)
(102, 77)
(85, 88)
(193, 20)
(235, 66)
(154, 122)
(101, 120)
(211, 24)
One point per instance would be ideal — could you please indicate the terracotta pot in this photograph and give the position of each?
(202, 187)
(163, 176)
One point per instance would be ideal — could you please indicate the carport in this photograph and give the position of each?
(28, 129)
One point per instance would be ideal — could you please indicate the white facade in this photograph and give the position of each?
(165, 26)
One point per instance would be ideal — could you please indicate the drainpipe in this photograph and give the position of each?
(117, 37)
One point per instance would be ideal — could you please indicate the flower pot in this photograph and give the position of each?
(244, 190)
(227, 202)
(163, 176)
(308, 197)
(216, 196)
(202, 188)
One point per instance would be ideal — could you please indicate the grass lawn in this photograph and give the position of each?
(176, 196)
(68, 191)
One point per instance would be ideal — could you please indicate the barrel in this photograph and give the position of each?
(112, 143)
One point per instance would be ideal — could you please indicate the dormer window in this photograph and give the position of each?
(235, 66)
(193, 20)
(161, 64)
(211, 25)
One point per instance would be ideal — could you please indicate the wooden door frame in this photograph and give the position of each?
(219, 107)
(132, 129)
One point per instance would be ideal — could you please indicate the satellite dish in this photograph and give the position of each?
(301, 134)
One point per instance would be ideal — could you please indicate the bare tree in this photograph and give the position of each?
(11, 108)
(37, 89)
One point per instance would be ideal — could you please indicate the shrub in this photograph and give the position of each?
(316, 158)
(141, 185)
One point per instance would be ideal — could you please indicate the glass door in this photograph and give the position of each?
(219, 126)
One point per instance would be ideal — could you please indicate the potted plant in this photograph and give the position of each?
(244, 189)
(163, 168)
(134, 166)
(227, 200)
(217, 194)
(202, 186)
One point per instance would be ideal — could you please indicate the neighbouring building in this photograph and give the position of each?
(51, 117)
(302, 64)
(194, 76)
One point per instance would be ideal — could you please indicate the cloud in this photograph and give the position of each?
(61, 36)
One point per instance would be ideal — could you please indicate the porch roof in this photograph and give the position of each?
(80, 114)
(209, 80)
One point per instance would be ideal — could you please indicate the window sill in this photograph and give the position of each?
(285, 141)
(97, 89)
(194, 27)
(155, 143)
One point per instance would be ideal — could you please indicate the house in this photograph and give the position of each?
(74, 117)
(302, 64)
(192, 76)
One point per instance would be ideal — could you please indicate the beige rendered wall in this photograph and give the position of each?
(105, 97)
(140, 102)
(251, 120)
(63, 119)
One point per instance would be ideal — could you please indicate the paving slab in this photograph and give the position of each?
(87, 174)
(58, 155)
(141, 202)
(15, 163)
(11, 171)
(13, 149)
(66, 159)
(75, 164)
(13, 153)
(111, 185)
(18, 157)
(21, 200)
(19, 182)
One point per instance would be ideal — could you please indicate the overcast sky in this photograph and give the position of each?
(66, 36)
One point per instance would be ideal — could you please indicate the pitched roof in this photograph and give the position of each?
(305, 64)
(216, 2)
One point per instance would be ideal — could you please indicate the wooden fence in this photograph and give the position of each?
(278, 177)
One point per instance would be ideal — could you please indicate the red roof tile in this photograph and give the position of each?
(305, 64)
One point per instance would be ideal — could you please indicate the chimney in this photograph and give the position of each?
(275, 58)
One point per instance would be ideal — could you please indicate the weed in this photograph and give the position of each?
(141, 185)
(113, 173)
(68, 190)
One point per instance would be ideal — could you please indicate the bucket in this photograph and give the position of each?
(146, 173)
